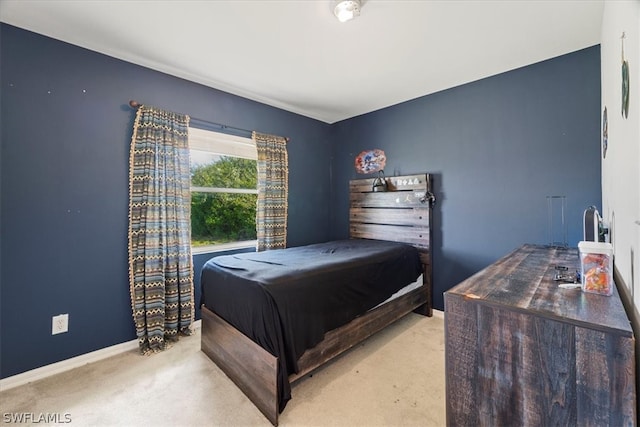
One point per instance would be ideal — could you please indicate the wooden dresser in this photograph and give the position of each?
(522, 352)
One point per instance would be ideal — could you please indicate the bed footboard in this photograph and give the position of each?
(253, 369)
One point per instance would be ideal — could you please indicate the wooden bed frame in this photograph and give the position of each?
(401, 214)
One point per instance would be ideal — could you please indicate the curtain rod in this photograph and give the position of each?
(135, 104)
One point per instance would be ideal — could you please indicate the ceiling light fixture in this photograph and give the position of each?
(346, 10)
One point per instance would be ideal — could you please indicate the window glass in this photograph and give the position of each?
(223, 190)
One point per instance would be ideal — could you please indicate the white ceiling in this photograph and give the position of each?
(295, 55)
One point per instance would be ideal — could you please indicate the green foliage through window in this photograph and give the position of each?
(223, 217)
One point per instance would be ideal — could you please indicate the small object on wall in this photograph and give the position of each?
(625, 82)
(605, 133)
(557, 230)
(370, 161)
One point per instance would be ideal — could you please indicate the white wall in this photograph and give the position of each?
(620, 167)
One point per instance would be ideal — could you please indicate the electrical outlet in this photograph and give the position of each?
(59, 324)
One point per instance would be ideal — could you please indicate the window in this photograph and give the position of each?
(224, 191)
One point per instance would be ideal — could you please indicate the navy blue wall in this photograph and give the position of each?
(497, 147)
(64, 192)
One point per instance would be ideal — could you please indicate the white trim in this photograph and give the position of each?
(223, 247)
(74, 362)
(224, 190)
(66, 365)
(221, 143)
(437, 313)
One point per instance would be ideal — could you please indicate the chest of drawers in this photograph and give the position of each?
(522, 351)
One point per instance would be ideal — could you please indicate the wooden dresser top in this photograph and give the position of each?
(523, 281)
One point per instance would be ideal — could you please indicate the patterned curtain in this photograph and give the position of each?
(160, 265)
(273, 188)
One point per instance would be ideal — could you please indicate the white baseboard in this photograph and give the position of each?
(65, 365)
(74, 362)
(437, 313)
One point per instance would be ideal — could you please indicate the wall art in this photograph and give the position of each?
(605, 133)
(370, 161)
(625, 82)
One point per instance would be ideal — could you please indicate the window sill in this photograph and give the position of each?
(224, 247)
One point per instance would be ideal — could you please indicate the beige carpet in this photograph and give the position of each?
(396, 378)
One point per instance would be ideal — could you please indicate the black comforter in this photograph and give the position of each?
(287, 299)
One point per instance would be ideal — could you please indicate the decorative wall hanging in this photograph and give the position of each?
(370, 161)
(625, 82)
(605, 132)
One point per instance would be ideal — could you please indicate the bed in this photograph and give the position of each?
(272, 317)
